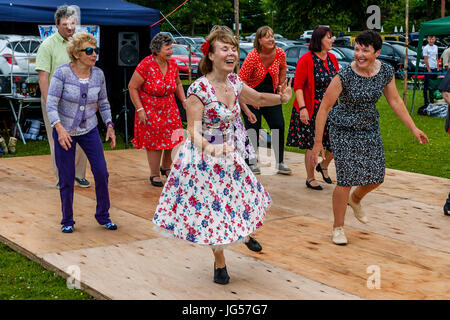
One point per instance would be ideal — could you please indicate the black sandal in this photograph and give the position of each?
(326, 179)
(165, 172)
(156, 183)
(308, 184)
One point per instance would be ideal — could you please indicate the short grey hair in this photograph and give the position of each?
(159, 41)
(66, 11)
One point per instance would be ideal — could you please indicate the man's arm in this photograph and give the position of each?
(43, 84)
(437, 60)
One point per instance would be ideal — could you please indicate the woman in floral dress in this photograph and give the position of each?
(211, 196)
(157, 123)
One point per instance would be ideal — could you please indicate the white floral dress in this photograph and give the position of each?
(212, 200)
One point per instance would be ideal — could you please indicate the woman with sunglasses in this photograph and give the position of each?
(157, 123)
(76, 90)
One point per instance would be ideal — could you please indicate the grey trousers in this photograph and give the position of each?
(80, 156)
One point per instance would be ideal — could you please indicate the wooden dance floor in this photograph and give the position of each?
(402, 253)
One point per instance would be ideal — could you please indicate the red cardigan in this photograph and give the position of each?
(304, 79)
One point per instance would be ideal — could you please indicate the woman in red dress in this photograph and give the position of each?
(157, 122)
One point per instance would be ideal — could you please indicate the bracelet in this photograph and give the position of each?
(110, 123)
(141, 108)
(301, 108)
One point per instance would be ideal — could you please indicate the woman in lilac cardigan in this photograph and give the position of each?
(76, 90)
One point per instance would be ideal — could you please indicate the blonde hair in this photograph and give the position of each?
(261, 33)
(222, 35)
(76, 42)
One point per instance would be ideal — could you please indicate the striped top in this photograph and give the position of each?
(73, 102)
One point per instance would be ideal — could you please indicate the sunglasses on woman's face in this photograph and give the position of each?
(90, 51)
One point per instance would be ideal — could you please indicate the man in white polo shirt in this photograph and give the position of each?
(430, 55)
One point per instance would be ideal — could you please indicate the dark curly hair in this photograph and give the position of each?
(369, 38)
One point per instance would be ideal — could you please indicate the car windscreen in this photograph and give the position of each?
(178, 50)
(401, 50)
(349, 53)
(337, 54)
(198, 40)
(24, 46)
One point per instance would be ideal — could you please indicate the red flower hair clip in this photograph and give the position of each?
(205, 48)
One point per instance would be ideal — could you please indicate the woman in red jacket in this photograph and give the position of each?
(314, 72)
(264, 70)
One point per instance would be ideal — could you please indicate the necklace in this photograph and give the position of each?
(221, 85)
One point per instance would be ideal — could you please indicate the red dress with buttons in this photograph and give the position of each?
(162, 129)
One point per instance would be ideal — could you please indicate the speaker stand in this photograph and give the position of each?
(124, 107)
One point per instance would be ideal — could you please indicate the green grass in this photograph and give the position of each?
(23, 279)
(402, 150)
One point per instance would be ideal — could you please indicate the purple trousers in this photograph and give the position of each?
(65, 161)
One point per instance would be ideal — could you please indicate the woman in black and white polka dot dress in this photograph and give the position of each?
(354, 129)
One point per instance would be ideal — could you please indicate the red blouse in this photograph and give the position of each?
(253, 71)
(304, 79)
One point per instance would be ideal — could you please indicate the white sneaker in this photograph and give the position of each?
(339, 236)
(359, 213)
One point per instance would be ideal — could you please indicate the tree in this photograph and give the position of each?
(196, 16)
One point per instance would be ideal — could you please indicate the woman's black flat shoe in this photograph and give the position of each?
(326, 179)
(253, 245)
(308, 184)
(221, 275)
(165, 172)
(156, 183)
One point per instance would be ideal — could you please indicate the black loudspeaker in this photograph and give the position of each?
(128, 54)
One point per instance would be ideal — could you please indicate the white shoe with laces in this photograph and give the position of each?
(359, 213)
(339, 236)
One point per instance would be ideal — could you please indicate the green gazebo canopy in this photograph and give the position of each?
(435, 27)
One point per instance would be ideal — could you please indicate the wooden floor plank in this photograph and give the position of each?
(32, 220)
(174, 269)
(407, 236)
(303, 245)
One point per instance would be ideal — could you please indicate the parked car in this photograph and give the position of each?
(290, 73)
(198, 40)
(279, 37)
(196, 49)
(394, 54)
(440, 44)
(251, 37)
(181, 56)
(243, 52)
(169, 34)
(293, 53)
(184, 40)
(287, 43)
(343, 53)
(343, 41)
(17, 60)
(306, 35)
(246, 45)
